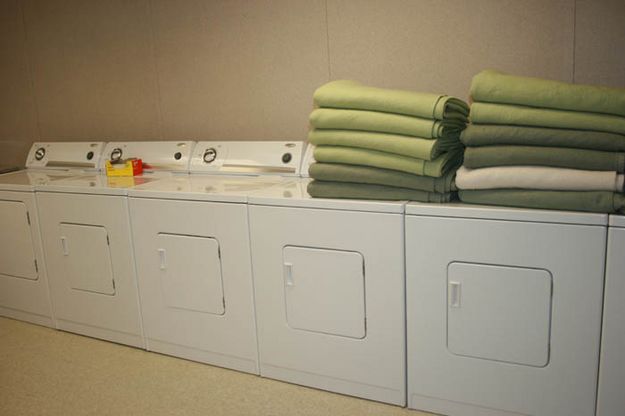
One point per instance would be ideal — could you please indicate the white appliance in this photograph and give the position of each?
(503, 309)
(86, 237)
(193, 253)
(611, 400)
(23, 283)
(329, 290)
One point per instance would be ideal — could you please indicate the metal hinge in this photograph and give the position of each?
(108, 242)
(113, 280)
(28, 217)
(223, 300)
(219, 252)
(36, 266)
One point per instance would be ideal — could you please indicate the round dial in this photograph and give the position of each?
(210, 155)
(89, 155)
(286, 158)
(40, 153)
(116, 154)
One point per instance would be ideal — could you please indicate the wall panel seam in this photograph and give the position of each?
(574, 38)
(328, 41)
(153, 43)
(30, 72)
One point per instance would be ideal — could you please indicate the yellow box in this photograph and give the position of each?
(129, 167)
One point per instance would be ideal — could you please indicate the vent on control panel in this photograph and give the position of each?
(256, 168)
(60, 164)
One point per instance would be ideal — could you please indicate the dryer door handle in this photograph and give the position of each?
(64, 246)
(288, 274)
(162, 257)
(454, 294)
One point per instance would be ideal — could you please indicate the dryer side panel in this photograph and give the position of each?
(329, 289)
(503, 316)
(24, 290)
(90, 263)
(611, 400)
(17, 257)
(195, 280)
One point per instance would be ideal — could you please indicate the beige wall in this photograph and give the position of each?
(235, 69)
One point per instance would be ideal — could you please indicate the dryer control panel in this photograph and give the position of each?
(248, 158)
(157, 156)
(65, 155)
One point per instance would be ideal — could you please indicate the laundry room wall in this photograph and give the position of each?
(235, 69)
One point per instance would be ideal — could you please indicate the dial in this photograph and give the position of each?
(210, 155)
(40, 153)
(116, 154)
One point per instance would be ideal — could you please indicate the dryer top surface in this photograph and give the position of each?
(217, 188)
(617, 221)
(487, 212)
(27, 180)
(94, 184)
(293, 194)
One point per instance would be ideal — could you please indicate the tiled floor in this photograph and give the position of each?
(48, 372)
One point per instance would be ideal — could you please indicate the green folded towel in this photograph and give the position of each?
(496, 87)
(355, 96)
(559, 157)
(490, 134)
(323, 189)
(607, 202)
(486, 113)
(331, 118)
(416, 147)
(364, 157)
(364, 174)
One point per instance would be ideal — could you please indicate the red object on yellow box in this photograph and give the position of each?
(128, 167)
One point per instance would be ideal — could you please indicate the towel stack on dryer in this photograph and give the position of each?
(375, 143)
(544, 144)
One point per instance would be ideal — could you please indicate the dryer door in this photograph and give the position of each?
(499, 313)
(17, 257)
(87, 258)
(190, 269)
(325, 291)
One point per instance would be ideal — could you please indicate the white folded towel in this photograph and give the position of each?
(539, 177)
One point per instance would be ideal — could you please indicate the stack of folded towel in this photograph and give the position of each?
(374, 143)
(544, 144)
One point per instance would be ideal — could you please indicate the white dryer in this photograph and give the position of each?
(193, 254)
(611, 400)
(503, 309)
(85, 229)
(329, 290)
(23, 284)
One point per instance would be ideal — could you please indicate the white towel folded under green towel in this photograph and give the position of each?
(538, 177)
